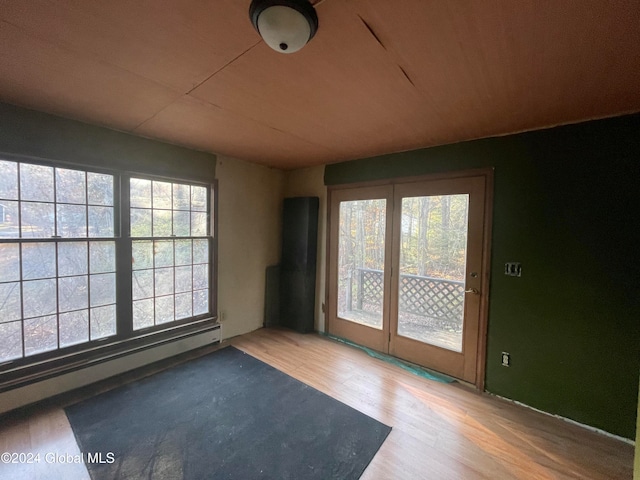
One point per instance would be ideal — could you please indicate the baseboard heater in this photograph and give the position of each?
(86, 372)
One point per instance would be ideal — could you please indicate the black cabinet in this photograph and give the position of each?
(298, 263)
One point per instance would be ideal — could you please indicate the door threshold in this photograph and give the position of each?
(408, 366)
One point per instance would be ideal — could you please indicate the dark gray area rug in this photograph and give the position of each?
(226, 415)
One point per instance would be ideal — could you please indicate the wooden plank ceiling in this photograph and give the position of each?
(380, 76)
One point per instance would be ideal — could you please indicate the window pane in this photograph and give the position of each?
(200, 302)
(181, 194)
(181, 226)
(163, 281)
(198, 224)
(201, 251)
(161, 223)
(183, 252)
(72, 293)
(163, 251)
(70, 186)
(37, 220)
(200, 276)
(10, 341)
(102, 257)
(199, 199)
(140, 193)
(74, 328)
(164, 309)
(142, 284)
(36, 183)
(183, 306)
(162, 195)
(361, 250)
(183, 279)
(100, 189)
(40, 334)
(72, 258)
(431, 284)
(142, 255)
(140, 223)
(143, 314)
(103, 322)
(9, 227)
(101, 221)
(39, 298)
(9, 263)
(10, 302)
(8, 180)
(72, 221)
(38, 260)
(57, 293)
(103, 289)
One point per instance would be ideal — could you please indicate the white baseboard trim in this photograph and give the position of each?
(568, 420)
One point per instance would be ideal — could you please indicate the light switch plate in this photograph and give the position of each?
(513, 269)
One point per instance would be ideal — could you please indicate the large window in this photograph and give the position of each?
(171, 267)
(66, 280)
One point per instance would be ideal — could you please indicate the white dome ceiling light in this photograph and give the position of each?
(284, 25)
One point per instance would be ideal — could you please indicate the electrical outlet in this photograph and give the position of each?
(222, 316)
(506, 359)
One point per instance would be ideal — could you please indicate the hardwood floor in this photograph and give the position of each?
(440, 431)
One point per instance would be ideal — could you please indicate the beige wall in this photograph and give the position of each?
(309, 182)
(249, 231)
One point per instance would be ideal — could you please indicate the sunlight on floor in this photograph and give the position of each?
(509, 456)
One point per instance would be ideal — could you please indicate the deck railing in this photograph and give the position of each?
(419, 295)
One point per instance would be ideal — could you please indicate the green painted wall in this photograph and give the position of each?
(566, 207)
(35, 134)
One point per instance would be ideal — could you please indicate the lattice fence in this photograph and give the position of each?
(425, 296)
(370, 288)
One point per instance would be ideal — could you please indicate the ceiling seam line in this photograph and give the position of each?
(261, 123)
(222, 68)
(154, 115)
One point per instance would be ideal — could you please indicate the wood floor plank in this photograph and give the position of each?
(440, 431)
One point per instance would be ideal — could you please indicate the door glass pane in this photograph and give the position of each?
(433, 253)
(361, 248)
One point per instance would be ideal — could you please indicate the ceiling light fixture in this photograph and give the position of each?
(284, 25)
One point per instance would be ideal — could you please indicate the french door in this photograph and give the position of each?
(407, 271)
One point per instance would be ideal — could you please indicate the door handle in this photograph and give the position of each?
(475, 291)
